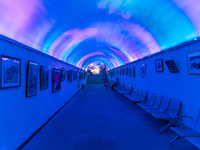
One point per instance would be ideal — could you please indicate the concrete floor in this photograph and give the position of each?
(98, 119)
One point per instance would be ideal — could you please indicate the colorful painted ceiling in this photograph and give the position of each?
(113, 32)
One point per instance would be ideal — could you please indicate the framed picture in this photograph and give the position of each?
(143, 70)
(193, 61)
(44, 77)
(10, 72)
(120, 71)
(79, 76)
(171, 66)
(133, 71)
(63, 74)
(123, 71)
(71, 73)
(68, 75)
(127, 71)
(159, 65)
(84, 75)
(56, 86)
(32, 79)
(75, 75)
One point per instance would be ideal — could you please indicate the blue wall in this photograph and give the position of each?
(181, 86)
(20, 117)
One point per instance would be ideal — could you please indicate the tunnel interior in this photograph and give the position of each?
(60, 61)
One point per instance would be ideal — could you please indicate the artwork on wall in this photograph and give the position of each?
(193, 61)
(63, 74)
(75, 75)
(159, 65)
(84, 75)
(127, 71)
(44, 77)
(56, 84)
(123, 71)
(10, 72)
(120, 71)
(71, 73)
(68, 75)
(79, 77)
(32, 79)
(143, 70)
(171, 66)
(133, 72)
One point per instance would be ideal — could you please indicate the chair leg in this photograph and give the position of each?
(139, 110)
(174, 139)
(124, 97)
(135, 108)
(166, 127)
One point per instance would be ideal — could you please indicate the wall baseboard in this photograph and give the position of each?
(39, 129)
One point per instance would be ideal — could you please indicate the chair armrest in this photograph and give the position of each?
(188, 124)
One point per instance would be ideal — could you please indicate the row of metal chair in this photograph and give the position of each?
(162, 107)
(137, 95)
(166, 108)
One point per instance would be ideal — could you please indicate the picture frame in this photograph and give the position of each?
(71, 77)
(32, 78)
(127, 71)
(44, 77)
(193, 62)
(143, 70)
(63, 75)
(172, 66)
(79, 76)
(68, 75)
(75, 75)
(10, 72)
(133, 71)
(123, 71)
(159, 65)
(84, 75)
(56, 80)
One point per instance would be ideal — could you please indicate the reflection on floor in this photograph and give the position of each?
(98, 119)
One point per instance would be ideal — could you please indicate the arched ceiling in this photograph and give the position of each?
(113, 32)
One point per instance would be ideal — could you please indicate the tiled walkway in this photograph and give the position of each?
(98, 119)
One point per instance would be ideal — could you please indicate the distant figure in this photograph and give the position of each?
(106, 82)
(116, 83)
(89, 72)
